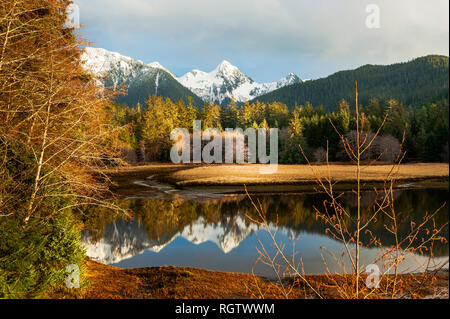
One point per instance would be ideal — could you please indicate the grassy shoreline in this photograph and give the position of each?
(169, 282)
(287, 177)
(303, 174)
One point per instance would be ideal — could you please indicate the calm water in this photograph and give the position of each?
(209, 229)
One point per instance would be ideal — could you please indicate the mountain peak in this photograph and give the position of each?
(226, 68)
(227, 82)
(291, 78)
(157, 65)
(96, 55)
(222, 84)
(225, 63)
(118, 67)
(197, 71)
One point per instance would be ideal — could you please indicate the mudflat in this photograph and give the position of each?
(250, 174)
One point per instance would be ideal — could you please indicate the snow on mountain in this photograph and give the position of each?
(157, 65)
(139, 80)
(226, 82)
(111, 68)
(117, 69)
(226, 236)
(123, 240)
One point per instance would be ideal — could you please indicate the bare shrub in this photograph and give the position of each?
(384, 148)
(349, 224)
(319, 155)
(350, 141)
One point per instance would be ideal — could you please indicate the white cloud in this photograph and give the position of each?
(322, 29)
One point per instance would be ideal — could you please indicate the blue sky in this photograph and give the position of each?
(267, 39)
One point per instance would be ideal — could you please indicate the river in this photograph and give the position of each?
(210, 228)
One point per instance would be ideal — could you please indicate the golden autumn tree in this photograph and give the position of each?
(51, 113)
(52, 134)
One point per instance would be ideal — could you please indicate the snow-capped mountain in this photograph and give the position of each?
(219, 86)
(123, 240)
(112, 69)
(227, 82)
(140, 80)
(226, 236)
(120, 241)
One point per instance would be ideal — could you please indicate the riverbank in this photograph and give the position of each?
(108, 282)
(302, 174)
(179, 282)
(297, 177)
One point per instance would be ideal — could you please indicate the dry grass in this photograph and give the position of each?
(150, 167)
(108, 282)
(301, 174)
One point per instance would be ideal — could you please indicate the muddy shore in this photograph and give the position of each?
(108, 282)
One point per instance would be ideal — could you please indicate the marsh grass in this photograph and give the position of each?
(303, 174)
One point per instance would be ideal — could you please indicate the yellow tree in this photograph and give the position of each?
(51, 112)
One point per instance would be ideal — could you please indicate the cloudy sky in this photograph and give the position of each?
(267, 39)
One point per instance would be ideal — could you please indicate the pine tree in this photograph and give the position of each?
(229, 115)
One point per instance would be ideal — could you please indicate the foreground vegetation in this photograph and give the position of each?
(190, 283)
(53, 133)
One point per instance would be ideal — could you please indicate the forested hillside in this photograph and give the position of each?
(157, 82)
(415, 83)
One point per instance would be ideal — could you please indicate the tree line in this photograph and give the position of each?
(424, 128)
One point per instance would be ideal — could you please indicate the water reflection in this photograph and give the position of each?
(187, 229)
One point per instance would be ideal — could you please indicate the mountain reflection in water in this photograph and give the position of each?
(213, 231)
